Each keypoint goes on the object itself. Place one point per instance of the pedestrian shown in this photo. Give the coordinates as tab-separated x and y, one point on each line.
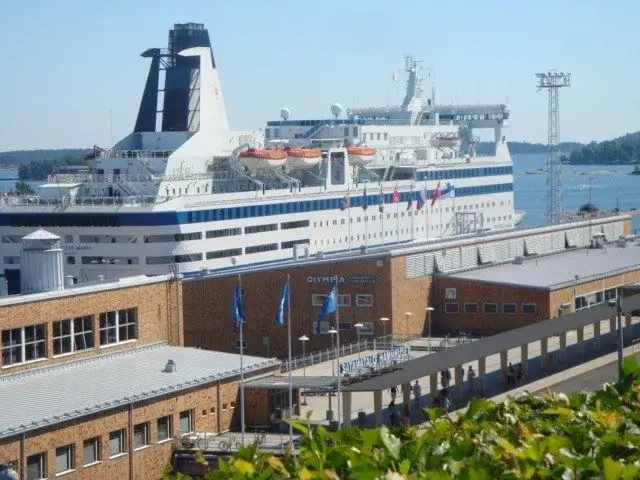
417	393
407	415
520	375
511	376
471	376
391	409
446	404
394	393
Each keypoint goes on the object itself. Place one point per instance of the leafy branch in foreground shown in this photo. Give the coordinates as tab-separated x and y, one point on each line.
527	437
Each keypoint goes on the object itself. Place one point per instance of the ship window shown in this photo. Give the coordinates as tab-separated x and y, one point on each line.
296	224
224	232
261	248
231	252
291	243
261	228
193	257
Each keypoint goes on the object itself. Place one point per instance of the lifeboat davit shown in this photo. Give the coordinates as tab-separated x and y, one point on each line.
263	159
301	158
360	156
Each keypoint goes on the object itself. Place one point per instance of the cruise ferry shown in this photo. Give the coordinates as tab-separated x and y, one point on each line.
185	191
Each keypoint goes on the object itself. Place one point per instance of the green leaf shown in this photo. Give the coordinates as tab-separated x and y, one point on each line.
391	443
405	465
612	470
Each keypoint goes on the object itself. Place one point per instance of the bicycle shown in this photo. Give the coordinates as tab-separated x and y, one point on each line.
260	438
225	445
189	442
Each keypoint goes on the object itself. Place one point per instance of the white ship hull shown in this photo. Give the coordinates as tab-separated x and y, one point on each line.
185	196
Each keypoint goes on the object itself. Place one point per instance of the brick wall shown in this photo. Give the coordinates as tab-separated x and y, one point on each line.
148	462
207	306
159	316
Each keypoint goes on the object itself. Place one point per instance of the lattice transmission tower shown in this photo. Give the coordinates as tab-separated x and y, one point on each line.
553	81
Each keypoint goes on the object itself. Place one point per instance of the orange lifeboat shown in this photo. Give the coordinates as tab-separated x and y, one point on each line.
360	156
263	159
301	158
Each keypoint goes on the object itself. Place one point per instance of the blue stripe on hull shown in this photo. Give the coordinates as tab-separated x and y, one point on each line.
150	219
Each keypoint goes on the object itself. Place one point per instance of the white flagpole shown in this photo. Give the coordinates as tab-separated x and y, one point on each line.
349	215
411	213
290	378
398	216
241	365
339	395
427	207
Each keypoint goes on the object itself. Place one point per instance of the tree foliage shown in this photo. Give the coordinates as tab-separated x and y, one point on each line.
38	170
528	437
516	148
619	151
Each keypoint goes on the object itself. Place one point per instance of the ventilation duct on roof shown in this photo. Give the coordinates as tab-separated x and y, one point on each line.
170	367
519	260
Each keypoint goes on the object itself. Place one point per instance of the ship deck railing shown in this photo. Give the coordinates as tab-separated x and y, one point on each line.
68	178
155	153
34	200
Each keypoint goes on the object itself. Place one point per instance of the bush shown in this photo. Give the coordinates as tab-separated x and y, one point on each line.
527	437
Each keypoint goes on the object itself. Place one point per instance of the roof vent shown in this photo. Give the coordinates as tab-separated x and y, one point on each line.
518	260
170	367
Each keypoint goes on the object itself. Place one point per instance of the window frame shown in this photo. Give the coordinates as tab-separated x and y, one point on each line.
515	308
484	308
113	329
42	465
70	463
466	311
190	416
364	300
121	436
144	429
535	308
77	335
24	347
455	310
96	444
168	419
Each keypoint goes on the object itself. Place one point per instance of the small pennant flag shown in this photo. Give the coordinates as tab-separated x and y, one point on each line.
365	199
437	194
345	202
396	195
381	206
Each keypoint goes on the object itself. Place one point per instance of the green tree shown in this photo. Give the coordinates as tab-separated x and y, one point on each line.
528	437
23	188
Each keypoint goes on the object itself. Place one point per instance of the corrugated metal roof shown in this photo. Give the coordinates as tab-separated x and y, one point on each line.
559	270
58	393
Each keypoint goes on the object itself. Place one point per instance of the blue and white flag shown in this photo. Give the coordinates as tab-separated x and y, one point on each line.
329	305
283	304
449	190
237	308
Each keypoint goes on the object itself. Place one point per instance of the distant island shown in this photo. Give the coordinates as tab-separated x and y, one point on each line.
624	150
37	164
517	148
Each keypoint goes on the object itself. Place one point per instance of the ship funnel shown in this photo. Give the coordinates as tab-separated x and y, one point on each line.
41	267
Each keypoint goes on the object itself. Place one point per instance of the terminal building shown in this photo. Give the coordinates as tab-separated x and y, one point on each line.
95	381
513	279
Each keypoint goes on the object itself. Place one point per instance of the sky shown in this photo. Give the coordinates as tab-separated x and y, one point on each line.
65	65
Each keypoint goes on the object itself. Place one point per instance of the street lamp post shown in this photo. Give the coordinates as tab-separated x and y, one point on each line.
429	310
304	339
620	335
332	332
358	326
384	321
408	316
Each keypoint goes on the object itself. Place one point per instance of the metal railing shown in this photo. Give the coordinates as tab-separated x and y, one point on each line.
380	343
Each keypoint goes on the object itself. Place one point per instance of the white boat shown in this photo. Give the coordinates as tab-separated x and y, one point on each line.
183	191
302	158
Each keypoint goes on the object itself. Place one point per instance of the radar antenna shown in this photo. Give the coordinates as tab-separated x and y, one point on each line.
553	81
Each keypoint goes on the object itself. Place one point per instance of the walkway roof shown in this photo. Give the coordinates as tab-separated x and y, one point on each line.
423	366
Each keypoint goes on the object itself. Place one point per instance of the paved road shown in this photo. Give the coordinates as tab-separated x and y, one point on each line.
589	381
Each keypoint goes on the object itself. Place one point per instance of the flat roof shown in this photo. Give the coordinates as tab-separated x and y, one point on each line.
84	288
559	270
58	393
435	363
